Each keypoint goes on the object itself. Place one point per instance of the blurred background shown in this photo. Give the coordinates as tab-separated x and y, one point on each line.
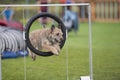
102	10
73	61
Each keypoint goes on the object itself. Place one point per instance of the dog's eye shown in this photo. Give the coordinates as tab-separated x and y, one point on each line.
57	34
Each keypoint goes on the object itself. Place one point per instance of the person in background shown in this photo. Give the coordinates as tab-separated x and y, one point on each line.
69	1
71	17
7	14
43	9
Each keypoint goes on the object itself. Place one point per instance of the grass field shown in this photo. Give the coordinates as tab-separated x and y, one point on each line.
106	57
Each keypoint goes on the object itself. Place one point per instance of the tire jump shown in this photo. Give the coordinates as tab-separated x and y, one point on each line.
27	31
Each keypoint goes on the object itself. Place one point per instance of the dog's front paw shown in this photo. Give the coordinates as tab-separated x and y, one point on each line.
57	48
55	52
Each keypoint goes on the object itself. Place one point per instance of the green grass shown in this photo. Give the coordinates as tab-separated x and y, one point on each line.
106	45
106	57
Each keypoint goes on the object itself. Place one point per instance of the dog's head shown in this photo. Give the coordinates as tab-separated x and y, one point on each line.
56	34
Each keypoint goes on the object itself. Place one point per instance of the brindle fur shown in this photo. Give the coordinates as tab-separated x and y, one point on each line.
46	39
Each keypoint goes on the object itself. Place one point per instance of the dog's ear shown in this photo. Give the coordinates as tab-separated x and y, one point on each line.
52	28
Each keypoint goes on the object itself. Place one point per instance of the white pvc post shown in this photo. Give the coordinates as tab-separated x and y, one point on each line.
90	43
0	68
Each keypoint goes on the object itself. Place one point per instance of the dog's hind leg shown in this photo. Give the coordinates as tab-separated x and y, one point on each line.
32	55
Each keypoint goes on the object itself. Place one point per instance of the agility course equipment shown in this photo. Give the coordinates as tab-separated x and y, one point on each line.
90	27
61	26
11	41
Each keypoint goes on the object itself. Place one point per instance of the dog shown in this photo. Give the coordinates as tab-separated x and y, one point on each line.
46	39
